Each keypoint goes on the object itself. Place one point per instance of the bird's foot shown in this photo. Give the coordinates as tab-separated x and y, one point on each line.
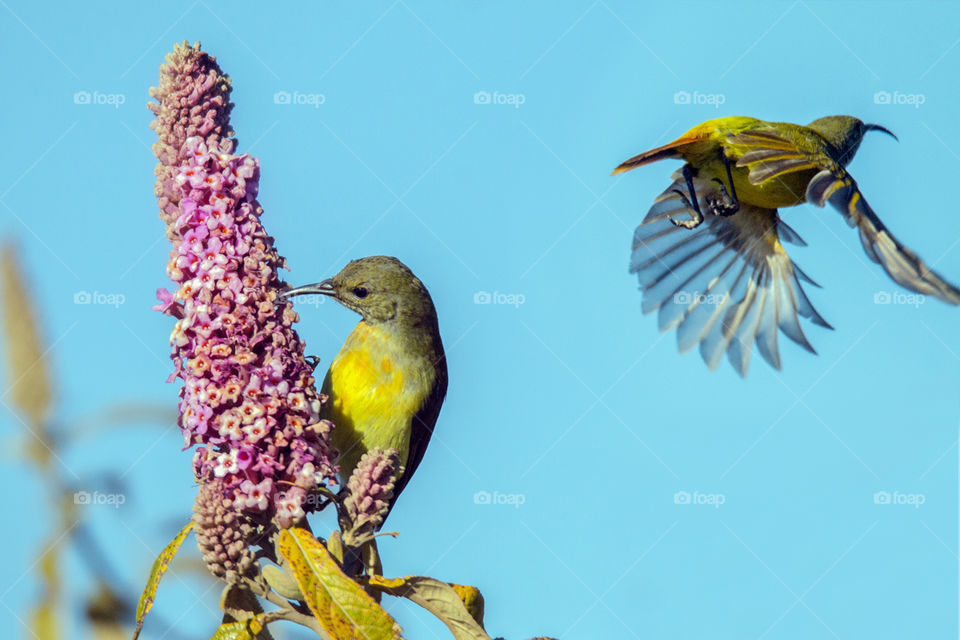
722	204
697	217
313	361
727	203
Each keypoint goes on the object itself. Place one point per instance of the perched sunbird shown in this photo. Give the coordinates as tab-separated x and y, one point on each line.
708	254
388	382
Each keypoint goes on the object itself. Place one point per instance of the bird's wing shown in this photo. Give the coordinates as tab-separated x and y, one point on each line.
421	428
725	284
900	263
769	156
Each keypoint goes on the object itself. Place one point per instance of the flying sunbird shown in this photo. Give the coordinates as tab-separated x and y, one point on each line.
388	382
709	253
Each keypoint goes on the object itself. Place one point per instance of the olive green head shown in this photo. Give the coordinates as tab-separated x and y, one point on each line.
845	133
379	288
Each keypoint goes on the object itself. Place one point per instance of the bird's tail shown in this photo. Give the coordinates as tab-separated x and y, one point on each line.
725	284
902	264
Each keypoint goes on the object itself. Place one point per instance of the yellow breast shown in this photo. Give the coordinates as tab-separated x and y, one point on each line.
374	393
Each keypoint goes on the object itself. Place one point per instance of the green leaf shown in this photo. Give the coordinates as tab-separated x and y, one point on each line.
340	605
250	629
284	584
156	573
442	600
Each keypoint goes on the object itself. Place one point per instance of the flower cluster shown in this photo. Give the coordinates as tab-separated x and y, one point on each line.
248	397
193	99
370	490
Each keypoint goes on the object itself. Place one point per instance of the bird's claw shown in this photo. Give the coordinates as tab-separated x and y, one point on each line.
722	205
313	361
697	217
727	203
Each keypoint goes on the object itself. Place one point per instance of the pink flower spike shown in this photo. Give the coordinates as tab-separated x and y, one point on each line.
249	399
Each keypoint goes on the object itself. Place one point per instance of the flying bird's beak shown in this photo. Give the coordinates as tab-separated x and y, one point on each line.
324	288
877	127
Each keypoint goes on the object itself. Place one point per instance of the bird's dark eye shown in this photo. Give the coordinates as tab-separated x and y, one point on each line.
360	292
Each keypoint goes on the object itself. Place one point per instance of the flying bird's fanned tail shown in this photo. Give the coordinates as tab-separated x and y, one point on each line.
725	285
900	263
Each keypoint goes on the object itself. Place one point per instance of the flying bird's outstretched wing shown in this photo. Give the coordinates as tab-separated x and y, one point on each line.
724	285
900	263
770	156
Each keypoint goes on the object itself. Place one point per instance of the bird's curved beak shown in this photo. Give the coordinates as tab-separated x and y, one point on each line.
324	288
877	127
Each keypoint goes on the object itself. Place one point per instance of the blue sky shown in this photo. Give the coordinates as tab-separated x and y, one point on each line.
566	407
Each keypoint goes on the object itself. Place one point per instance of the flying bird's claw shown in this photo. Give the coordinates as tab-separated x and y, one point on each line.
697	216
313	361
722	205
730	204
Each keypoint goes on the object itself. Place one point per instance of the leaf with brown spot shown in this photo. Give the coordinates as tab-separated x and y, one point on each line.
340	605
156	573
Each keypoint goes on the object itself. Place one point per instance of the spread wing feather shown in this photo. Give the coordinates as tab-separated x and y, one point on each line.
725	285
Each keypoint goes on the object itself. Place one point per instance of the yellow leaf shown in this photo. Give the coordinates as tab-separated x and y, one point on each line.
440	599
29	381
45	624
246	630
385	583
472	599
156	573
340	605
